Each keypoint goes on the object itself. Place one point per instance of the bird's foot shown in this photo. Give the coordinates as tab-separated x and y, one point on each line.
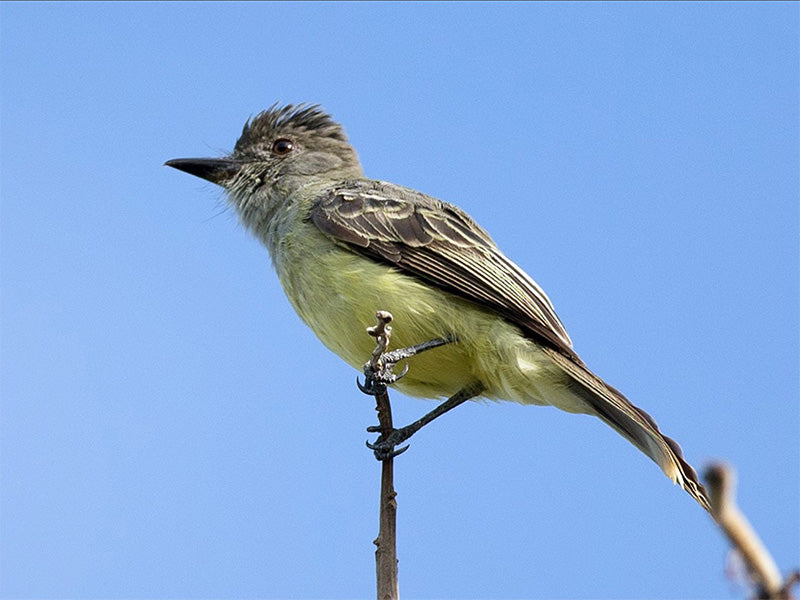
385	447
378	371
377	377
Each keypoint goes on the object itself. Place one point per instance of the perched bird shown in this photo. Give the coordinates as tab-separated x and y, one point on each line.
345	246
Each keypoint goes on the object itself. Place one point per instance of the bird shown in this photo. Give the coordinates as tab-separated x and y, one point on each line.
344	246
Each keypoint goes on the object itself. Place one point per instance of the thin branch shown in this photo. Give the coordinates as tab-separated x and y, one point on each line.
386	542
761	567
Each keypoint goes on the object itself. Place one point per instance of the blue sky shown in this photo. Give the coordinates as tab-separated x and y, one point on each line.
170	429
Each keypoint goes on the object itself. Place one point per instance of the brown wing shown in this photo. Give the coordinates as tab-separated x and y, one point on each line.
441	244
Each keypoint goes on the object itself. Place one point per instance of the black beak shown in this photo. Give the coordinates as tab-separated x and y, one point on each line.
215	170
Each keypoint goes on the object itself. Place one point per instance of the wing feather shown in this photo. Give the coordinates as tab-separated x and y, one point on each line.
439	243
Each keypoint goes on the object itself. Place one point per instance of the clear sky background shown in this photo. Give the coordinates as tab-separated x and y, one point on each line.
170	429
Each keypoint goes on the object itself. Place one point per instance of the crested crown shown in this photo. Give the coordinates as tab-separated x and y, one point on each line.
288	119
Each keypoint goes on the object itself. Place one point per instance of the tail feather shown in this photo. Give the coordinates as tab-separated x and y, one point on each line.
634	424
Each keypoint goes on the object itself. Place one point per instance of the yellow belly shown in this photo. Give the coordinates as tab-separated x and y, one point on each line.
337	292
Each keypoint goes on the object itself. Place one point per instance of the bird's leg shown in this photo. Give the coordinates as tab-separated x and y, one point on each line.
378	375
384	447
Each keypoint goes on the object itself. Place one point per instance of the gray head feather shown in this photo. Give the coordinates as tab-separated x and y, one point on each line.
286	120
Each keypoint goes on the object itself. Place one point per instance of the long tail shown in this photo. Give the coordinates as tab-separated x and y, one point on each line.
634	424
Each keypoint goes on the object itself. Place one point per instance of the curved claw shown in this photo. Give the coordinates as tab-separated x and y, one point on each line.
386	454
396	452
403	373
364	387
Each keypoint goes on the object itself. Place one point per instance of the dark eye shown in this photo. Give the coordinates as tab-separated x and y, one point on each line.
282	146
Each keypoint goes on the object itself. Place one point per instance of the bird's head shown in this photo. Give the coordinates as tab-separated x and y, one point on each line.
282	148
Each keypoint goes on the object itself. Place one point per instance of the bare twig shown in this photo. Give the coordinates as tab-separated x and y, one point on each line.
761	567
386	542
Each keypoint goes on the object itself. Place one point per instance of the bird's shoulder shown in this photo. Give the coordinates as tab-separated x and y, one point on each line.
439	243
363	211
